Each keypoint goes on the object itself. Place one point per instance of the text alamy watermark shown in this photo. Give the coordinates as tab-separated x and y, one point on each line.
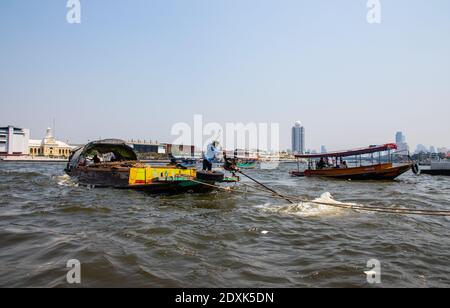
74	12
263	137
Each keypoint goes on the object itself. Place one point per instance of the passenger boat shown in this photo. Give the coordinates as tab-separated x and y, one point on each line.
368	164
112	163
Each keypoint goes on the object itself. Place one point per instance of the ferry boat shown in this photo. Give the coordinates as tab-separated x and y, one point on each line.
112	163
374	166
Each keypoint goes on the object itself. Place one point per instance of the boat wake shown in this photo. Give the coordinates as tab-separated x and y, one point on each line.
307	209
65	180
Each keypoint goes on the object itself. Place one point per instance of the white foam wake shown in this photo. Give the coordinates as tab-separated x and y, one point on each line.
307	209
66	180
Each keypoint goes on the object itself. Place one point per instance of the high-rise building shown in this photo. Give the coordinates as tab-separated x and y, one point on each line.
402	145
298	138
323	149
400	138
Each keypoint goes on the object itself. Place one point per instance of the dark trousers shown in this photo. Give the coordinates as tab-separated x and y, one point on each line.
207	165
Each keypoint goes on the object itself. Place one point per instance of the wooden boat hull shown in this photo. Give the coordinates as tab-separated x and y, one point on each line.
247	166
173	187
101	177
376	172
119	179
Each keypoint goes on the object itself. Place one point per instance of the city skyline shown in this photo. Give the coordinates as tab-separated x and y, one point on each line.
134	70
323	148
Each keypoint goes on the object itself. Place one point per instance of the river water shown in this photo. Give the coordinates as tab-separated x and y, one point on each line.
221	239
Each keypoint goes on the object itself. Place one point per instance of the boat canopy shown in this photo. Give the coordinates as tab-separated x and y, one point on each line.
354	152
121	150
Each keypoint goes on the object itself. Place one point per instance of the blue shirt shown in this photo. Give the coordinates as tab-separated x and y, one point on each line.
211	152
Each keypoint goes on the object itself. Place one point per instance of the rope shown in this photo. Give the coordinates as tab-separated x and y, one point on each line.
269	189
377	209
211	185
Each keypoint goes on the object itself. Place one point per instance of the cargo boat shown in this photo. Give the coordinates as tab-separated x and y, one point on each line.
112	163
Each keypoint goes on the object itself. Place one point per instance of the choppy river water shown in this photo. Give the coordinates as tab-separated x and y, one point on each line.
128	238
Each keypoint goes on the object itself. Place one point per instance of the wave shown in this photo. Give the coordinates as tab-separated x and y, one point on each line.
66	180
27	174
84	209
307	209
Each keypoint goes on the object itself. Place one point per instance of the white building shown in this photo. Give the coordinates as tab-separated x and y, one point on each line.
298	138
49	147
14	141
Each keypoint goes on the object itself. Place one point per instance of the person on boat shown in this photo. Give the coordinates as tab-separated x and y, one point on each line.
96	159
112	158
230	164
211	154
321	164
344	165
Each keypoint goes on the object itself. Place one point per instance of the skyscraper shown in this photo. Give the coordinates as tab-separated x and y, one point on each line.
402	146
400	138
298	138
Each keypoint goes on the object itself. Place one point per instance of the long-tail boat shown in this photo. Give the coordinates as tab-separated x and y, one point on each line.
245	159
247	163
367	164
112	163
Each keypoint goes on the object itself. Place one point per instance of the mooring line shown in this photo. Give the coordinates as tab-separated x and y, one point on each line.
268	188
356	207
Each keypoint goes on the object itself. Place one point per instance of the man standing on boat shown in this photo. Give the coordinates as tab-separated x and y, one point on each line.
210	155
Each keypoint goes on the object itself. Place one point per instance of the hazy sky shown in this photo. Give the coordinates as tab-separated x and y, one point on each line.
133	68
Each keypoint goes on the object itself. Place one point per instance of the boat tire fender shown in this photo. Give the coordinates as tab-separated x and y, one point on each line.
415	169
214	176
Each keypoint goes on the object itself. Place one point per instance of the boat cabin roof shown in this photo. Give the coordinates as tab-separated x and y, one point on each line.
361	151
121	150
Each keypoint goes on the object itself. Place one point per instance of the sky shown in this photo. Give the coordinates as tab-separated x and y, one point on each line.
132	69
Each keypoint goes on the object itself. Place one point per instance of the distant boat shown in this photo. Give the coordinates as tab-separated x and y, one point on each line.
319	166
438	168
247	163
245	159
